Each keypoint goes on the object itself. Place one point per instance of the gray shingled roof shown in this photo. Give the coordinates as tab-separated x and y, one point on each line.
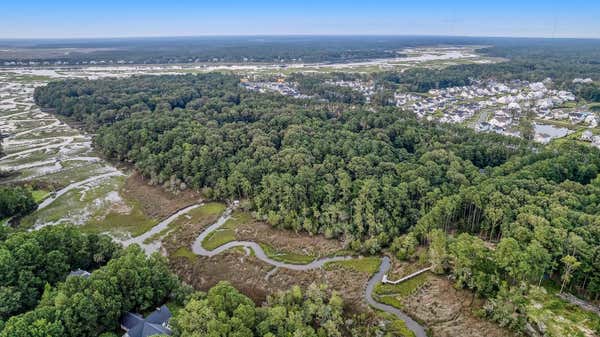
80	273
146	329
130	320
160	315
152	325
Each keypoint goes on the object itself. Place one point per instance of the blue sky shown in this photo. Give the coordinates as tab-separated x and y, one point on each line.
109	18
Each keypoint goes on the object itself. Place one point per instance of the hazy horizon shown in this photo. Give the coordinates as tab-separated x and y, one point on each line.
136	19
149	37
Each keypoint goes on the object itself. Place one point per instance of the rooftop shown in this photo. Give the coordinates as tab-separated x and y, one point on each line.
155	324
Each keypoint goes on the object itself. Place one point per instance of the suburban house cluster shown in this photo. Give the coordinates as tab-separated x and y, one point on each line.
487	106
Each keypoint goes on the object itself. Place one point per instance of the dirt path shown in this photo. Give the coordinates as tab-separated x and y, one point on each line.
258	251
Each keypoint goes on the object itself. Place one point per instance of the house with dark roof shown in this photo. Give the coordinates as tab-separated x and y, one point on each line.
80	273
157	323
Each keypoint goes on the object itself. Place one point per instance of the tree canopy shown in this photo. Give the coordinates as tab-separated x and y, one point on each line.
86	307
31	260
367	174
15	201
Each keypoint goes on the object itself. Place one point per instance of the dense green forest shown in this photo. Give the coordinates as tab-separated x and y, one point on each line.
15	201
349	173
82	307
316	312
361	173
32	260
37	298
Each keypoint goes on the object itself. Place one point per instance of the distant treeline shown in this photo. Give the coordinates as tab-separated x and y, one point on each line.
209	49
286	49
561	60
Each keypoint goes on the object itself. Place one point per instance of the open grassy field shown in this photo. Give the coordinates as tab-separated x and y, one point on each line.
195	216
394	294
559	317
368	265
227	232
397	327
287	257
39	195
185	252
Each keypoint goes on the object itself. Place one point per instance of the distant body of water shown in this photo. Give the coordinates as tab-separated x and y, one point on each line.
546	132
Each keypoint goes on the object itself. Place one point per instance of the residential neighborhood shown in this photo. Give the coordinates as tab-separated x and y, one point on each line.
281	87
503	107
507	108
588	136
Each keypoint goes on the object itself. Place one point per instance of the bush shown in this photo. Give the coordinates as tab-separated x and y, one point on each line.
15	201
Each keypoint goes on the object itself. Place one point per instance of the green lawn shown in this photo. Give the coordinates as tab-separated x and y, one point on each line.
403	289
218	238
368	265
396	326
286	257
211	208
560	317
185	252
39	195
227	232
394	294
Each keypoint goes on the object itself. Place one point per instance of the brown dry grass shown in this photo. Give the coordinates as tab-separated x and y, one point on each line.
249	275
288	241
444	309
403	268
155	201
187	229
448	311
